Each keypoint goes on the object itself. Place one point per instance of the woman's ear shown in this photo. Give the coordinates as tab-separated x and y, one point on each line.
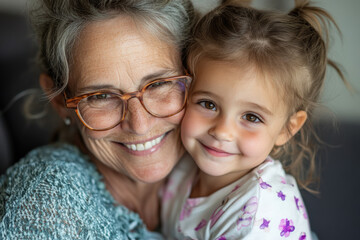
295	123
47	85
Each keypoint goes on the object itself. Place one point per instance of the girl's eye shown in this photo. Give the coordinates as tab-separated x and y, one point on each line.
208	105
252	118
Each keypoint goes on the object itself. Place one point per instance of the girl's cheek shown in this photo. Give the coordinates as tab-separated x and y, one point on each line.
251	143
191	123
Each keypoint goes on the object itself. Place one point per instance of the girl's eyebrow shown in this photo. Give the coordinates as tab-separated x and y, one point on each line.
202	92
261	108
249	104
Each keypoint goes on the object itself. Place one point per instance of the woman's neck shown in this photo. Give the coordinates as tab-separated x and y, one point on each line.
139	197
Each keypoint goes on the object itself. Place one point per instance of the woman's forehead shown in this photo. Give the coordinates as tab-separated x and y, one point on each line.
117	50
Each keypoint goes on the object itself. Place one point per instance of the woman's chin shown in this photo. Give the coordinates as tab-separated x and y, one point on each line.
152	174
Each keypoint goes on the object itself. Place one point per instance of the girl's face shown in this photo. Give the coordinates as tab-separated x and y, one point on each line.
233	119
116	55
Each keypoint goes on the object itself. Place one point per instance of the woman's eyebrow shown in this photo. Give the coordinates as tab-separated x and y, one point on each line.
158	74
163	73
94	88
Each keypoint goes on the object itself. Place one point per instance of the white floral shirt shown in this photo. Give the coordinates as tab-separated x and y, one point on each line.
264	204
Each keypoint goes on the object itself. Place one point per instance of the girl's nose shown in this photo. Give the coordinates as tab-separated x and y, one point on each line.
137	120
222	130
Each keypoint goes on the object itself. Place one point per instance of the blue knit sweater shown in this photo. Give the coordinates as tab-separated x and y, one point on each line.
55	192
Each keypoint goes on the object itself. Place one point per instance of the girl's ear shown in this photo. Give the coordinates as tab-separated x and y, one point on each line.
47	85
296	122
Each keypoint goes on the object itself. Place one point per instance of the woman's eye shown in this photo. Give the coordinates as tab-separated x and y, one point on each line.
252	118
157	84
99	96
208	105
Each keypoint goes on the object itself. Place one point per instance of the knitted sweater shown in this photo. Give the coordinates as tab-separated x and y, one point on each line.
55	192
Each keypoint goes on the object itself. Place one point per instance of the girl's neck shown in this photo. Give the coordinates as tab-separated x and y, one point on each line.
205	185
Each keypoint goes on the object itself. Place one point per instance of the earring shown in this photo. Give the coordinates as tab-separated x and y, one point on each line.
67	121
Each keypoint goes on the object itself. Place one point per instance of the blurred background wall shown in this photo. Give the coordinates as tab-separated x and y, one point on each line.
346	51
338	102
333	214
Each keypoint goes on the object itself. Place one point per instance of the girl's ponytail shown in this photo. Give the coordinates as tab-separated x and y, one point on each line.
236	2
318	21
315	17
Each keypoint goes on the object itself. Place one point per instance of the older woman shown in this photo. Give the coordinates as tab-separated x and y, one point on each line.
112	70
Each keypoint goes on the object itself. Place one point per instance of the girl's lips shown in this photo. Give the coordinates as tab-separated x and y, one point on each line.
216	152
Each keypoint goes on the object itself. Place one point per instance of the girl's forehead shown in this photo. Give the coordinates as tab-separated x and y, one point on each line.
228	80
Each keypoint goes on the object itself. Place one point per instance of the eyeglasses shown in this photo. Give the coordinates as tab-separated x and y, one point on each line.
104	110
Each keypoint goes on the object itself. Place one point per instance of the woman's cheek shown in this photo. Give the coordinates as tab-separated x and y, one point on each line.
176	119
94	135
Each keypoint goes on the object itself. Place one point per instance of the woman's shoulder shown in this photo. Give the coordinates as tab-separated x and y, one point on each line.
57	170
57	158
54	154
56	186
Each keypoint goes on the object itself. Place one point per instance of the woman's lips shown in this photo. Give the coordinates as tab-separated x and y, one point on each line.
216	152
146	147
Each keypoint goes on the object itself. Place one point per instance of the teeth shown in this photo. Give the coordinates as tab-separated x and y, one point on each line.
146	145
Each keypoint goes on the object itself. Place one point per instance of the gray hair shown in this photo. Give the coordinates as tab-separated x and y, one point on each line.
58	23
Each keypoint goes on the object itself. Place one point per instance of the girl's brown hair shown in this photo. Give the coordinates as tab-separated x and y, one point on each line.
290	47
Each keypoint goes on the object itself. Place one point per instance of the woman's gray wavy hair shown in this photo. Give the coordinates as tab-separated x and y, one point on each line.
58	23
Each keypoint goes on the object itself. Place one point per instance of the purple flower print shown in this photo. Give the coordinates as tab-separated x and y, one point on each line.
281	195
187	208
201	224
265	224
235	188
300	207
283	180
297	202
221	238
286	226
264	185
246	213
302	236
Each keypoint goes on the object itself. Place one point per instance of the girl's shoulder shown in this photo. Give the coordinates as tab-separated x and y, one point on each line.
278	206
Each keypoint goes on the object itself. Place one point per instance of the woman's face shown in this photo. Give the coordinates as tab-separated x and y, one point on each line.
116	54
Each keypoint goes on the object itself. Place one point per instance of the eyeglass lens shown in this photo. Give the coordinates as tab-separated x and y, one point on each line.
105	110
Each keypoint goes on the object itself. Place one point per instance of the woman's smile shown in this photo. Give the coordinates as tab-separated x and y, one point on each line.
141	146
145	147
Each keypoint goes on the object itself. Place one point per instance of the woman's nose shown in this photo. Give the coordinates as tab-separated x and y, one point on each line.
222	130
137	120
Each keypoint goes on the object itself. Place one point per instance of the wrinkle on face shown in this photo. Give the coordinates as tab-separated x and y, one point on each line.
129	42
117	54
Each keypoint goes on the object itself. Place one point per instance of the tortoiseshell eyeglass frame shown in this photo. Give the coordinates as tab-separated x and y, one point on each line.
72	103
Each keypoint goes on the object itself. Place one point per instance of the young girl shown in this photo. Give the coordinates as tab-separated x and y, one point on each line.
257	76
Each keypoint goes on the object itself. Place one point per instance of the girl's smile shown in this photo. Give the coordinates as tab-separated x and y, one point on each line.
233	119
216	152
